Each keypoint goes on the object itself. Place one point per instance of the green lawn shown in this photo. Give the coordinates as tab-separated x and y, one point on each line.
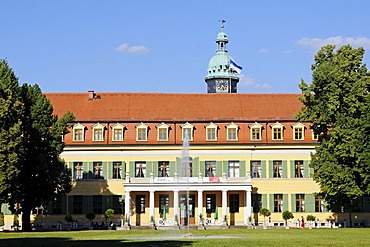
143	238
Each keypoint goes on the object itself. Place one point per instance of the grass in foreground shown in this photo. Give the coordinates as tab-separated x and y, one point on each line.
143	238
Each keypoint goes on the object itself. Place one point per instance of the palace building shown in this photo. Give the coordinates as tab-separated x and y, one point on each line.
170	159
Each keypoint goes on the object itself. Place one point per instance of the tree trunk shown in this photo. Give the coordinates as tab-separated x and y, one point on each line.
26	221
350	218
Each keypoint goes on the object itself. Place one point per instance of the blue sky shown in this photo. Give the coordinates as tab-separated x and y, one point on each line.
165	46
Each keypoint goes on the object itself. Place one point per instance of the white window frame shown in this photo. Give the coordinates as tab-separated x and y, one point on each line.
280	126
229	127
142	126
97	127
209	127
186	126
314	137
297	126
81	127
117	126
162	126
255	126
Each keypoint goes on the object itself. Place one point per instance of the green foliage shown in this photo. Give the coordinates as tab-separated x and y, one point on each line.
31	171
264	212
337	103
287	215
68	218
311	217
90	216
2	222
109	214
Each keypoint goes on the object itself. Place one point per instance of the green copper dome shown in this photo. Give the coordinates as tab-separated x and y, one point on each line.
219	64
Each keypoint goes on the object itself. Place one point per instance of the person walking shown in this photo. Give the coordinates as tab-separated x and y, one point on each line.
302	223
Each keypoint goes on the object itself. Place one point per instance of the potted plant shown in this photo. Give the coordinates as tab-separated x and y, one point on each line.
287	215
109	214
310	218
265	213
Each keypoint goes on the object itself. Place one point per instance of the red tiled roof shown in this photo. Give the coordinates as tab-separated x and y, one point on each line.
175	107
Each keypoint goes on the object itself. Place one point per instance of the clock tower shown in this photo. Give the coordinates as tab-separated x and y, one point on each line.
221	77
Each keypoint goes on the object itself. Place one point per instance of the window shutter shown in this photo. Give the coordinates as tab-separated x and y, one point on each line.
306	169
264	200
196	168
292	169
293	203
219	168
242	168
105	169
85	170
150	168
285	201
178	166
285	169
310	203
172	168
132	169
270	169
202	168
263	169
123	175
225	166
109	168
271	202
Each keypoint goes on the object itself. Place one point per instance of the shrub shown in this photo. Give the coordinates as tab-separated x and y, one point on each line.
287	215
311	217
265	212
109	214
68	218
90	216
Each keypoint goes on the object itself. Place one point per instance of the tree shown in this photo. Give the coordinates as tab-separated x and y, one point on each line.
90	216
39	175
337	104
287	215
265	213
109	214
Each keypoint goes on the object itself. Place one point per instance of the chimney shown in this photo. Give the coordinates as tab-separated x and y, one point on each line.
91	94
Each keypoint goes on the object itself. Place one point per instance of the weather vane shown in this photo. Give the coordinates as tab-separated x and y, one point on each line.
222	23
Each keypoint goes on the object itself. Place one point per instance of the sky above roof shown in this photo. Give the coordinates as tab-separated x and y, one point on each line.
165	46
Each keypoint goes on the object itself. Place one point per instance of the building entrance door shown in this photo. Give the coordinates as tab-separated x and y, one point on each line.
187	210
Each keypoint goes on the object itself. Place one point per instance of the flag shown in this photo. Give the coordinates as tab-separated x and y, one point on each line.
164	212
235	67
216	213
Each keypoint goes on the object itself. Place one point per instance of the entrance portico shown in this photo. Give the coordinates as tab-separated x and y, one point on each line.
169	197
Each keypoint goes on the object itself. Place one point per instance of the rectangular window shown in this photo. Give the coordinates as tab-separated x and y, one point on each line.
98	134
300	203
210	169
315	137
77	204
256	168
117	135
98	204
162	134
277	134
211	134
57	206
77	170
78	135
98	170
298	169
234	203
319	204
117	204
140	204
277	168
234	169
117	170
186	132
256	134
164	204
231	134
298	133
278	203
140	169
210	203
141	134
163	169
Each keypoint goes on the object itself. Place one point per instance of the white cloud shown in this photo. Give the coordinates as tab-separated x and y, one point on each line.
264	50
245	81
132	49
317	43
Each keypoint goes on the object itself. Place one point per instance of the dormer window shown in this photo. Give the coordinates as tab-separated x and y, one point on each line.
98	132
78	133
117	131
256	131
162	130
211	132
187	130
315	137
141	132
277	131
298	131
232	132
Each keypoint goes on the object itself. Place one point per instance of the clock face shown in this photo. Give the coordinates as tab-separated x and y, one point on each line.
222	86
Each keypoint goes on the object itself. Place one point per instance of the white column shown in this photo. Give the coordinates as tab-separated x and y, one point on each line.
200	202
248	204
128	207
151	204
224	203
176	203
